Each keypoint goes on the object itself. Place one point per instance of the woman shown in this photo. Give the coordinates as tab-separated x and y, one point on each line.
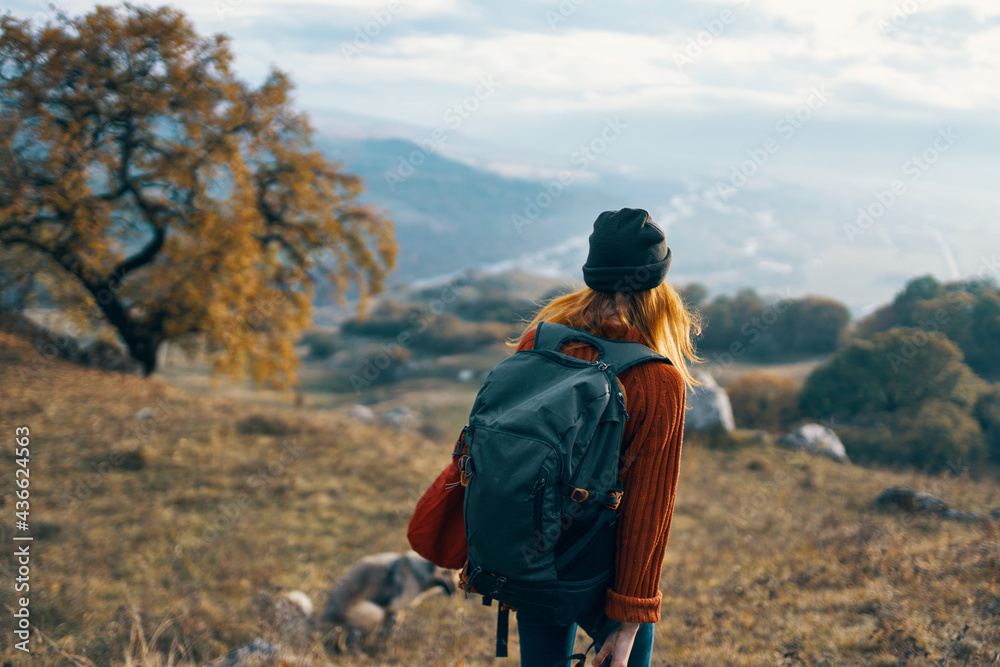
626	298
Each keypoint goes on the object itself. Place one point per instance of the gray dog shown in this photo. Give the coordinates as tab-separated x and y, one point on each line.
375	589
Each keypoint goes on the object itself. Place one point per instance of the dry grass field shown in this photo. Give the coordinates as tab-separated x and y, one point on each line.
159	513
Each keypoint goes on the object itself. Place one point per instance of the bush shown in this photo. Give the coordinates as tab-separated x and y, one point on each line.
814	325
322	345
442	333
388	320
938	435
382	365
694	294
896	369
968	312
747	324
904	397
493	305
987	412
764	401
871	441
449	334
264	425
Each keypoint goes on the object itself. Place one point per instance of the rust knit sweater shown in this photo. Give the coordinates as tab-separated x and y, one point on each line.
655	395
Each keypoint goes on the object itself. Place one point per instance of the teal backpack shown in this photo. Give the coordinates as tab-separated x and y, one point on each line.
541	475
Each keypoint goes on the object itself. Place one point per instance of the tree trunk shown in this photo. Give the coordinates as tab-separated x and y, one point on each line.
143	339
143	349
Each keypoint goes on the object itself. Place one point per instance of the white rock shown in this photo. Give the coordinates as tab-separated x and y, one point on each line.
302	601
401	419
362	413
817	439
466	374
710	406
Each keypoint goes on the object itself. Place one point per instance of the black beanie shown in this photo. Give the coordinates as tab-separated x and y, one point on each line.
628	252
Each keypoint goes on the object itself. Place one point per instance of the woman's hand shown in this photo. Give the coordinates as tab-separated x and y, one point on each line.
618	644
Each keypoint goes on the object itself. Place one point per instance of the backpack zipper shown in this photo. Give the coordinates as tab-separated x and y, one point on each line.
538	495
621	401
613	378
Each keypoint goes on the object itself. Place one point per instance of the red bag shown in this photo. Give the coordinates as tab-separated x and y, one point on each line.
437	527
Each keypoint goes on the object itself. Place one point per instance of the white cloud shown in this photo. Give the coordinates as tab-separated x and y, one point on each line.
765	57
603	70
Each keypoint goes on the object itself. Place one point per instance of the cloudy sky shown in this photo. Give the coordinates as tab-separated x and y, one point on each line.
839	99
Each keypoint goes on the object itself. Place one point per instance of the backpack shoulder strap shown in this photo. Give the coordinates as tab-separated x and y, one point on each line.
624	354
551	336
619	354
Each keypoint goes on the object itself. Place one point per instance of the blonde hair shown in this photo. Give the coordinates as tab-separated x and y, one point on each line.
664	321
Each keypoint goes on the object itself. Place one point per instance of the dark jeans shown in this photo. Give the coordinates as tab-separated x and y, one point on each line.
547	645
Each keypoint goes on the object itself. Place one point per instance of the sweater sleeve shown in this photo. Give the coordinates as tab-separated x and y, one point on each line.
652	446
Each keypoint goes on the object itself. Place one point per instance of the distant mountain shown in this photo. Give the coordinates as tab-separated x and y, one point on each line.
775	236
450	216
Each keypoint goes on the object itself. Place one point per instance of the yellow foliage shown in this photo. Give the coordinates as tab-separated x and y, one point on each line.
174	201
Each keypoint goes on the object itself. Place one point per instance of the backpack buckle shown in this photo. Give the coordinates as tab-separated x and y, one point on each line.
617	496
583	495
465	467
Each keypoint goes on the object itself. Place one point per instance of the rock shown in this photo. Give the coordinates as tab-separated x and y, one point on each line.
466	375
288	615
995	514
710	406
817	439
962	516
401	419
145	413
257	652
362	413
302	602
912	500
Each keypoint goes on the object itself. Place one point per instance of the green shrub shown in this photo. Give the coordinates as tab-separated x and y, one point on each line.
381	365
904	397
968	312
265	425
493	305
938	435
388	320
322	345
987	412
748	324
896	369
449	334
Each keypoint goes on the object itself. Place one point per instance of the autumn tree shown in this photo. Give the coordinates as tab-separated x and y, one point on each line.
167	197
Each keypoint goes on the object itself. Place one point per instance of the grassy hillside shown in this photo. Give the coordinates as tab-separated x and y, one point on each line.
167	511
